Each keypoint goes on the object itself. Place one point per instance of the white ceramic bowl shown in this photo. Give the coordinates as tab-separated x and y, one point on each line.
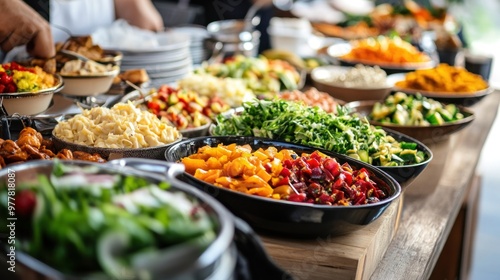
88	85
320	75
30	103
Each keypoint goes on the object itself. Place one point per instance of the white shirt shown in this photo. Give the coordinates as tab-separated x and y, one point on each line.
80	17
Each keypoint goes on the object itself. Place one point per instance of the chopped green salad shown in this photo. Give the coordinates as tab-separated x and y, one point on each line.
311	126
81	221
418	110
260	74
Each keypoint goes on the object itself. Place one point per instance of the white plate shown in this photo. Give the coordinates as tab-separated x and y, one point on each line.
161	67
168	41
169	74
164	81
156	61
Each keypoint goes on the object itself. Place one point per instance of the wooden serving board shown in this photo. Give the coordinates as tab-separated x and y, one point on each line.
351	256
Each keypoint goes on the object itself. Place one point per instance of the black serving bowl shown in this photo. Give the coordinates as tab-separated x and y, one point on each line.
407	173
286	217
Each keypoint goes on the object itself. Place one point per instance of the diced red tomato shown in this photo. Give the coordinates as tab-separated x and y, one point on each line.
25	203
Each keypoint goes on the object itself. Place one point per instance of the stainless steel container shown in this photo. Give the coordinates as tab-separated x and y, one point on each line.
229	38
236	250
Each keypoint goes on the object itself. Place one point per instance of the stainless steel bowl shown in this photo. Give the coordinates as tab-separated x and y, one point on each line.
235	240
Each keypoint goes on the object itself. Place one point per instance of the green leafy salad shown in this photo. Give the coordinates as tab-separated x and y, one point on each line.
301	124
81	221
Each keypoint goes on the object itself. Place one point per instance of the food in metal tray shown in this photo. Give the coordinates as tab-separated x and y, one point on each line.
122	126
16	78
83	221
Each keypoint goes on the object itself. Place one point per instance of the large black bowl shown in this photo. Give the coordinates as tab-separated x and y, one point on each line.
286	217
407	173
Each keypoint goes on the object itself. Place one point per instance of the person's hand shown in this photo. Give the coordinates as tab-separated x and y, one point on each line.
140	13
20	25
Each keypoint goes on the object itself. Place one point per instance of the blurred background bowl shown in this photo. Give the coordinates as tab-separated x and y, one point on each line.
432	133
31	103
286	217
111	57
459	98
193	132
320	77
336	52
88	85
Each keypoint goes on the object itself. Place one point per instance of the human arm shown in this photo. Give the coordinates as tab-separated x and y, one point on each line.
140	13
20	24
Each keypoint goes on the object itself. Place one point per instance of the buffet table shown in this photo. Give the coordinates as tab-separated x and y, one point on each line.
405	246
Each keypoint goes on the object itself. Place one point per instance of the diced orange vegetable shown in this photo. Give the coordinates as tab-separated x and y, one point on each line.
201	174
191	164
263	191
283	190
255	181
218	151
271	152
262	173
224	181
260	155
213	163
212	175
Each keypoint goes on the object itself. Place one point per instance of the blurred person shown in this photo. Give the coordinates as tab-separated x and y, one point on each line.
29	22
231	9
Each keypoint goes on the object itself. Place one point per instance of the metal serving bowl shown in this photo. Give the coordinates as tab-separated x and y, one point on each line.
217	259
113	153
30	103
286	217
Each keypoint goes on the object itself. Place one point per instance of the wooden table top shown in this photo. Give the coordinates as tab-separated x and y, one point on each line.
429	213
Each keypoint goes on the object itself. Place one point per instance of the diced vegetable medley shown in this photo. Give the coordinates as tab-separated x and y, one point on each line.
285	175
260	74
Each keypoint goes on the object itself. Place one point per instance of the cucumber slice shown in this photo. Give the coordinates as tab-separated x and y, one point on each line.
452	109
435	119
363	155
447	116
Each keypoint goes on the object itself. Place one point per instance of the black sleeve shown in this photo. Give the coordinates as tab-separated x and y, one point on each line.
41	6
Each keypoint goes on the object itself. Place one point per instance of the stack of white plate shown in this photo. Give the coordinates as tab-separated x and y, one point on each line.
166	56
197	35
